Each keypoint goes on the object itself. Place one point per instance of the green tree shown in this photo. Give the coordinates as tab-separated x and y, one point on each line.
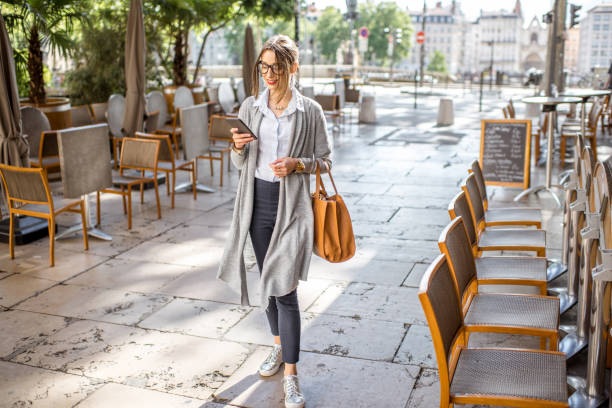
332	29
42	22
384	19
438	63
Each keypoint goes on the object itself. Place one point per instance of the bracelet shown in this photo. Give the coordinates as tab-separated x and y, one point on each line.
238	151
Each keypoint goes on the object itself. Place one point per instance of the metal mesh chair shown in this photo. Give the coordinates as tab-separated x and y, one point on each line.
156	101
513	314
137	154
219	131
183	98
489	376
151	123
98	111
28	188
500	239
590	131
80	116
44	152
169	165
506	215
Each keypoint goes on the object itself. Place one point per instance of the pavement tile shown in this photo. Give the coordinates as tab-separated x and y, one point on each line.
417	216
173	363
24	386
422	193
361	213
67	264
95	303
364	188
195	317
363	300
123	396
219	217
186	254
133	276
21	330
142	228
18	287
360	269
417	348
426	392
415	275
326	381
200	235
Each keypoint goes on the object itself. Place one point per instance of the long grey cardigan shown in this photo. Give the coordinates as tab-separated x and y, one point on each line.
288	256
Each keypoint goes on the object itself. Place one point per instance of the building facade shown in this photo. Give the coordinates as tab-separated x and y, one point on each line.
595	50
571	52
533	49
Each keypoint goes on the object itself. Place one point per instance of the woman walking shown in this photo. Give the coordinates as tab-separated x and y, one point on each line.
273	203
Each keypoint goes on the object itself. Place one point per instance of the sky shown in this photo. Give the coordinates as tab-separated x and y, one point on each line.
471	8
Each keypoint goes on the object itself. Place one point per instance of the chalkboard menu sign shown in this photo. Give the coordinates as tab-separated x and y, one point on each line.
505	149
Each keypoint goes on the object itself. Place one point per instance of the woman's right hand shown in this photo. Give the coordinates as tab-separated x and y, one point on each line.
240	139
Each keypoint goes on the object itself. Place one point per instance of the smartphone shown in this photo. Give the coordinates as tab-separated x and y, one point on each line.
240	125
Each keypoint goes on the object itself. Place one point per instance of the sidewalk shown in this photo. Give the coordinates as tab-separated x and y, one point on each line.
142	322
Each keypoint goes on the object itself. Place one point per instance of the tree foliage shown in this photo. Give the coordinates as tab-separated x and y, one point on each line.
437	63
381	16
332	30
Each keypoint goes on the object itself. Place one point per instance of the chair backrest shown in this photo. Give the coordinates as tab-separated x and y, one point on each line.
156	101
587	165
194	126
442	308
114	114
327	102
227	99
351	95
33	123
98	111
137	153
219	128
505	112
80	116
602	190
596	114
459	207
166	153
151	123
240	91
26	185
482	186
454	243
470	187
511	110
183	97
213	93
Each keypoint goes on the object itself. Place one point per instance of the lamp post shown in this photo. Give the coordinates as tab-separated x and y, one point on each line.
351	7
491	43
422	56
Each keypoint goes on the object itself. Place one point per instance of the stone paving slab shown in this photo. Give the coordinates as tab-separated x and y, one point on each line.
172	363
195	317
197	235
123	396
362	300
416	273
21	330
360	269
326	381
188	254
105	305
19	287
35	263
417	348
24	386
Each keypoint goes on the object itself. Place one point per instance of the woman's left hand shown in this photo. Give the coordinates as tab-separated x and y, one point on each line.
284	166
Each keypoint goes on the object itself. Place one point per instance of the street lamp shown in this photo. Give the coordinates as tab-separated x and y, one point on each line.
351	7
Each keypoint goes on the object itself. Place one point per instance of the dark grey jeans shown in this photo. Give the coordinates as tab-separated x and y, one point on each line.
283	311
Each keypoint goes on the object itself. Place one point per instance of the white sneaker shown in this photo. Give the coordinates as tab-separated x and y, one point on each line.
272	363
293	397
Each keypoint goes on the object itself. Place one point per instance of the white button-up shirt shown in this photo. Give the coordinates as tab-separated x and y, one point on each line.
274	134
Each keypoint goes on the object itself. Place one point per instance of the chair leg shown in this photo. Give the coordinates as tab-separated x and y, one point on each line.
84	221
12	234
97	208
142	190
594	146
563	146
541	252
173	185
129	209
221	171
537	146
168	184
212	172
176	146
157	197
123	199
194	179
115	155
51	223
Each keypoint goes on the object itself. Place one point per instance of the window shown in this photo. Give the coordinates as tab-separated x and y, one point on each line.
597	17
596	27
605	27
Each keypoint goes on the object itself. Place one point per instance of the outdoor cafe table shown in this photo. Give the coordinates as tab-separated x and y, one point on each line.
549	106
585	94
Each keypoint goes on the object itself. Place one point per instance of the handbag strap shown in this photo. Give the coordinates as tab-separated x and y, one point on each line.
320	186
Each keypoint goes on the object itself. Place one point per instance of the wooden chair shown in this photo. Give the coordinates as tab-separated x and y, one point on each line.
494	270
219	131
114	118
498	313
590	132
182	98
330	105
151	122
483	239
28	188
490	376
98	111
137	154
44	152
606	112
506	215
80	116
505	112
169	165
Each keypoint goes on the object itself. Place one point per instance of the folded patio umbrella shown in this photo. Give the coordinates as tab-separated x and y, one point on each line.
14	149
135	50
248	60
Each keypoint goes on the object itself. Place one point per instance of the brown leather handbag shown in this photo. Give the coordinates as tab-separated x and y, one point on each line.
333	231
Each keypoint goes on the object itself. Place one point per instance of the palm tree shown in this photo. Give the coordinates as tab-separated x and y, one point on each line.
44	23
